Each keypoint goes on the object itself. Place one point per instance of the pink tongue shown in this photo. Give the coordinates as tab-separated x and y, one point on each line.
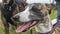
23	27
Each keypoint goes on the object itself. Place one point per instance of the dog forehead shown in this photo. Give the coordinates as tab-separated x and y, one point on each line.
35	6
32	7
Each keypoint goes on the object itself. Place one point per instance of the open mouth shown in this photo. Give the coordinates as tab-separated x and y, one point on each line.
26	26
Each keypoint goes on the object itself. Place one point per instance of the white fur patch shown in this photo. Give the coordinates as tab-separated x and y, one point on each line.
24	16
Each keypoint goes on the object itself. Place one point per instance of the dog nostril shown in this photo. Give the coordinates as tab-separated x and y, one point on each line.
16	18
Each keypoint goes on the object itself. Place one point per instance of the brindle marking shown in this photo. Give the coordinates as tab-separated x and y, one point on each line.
10	8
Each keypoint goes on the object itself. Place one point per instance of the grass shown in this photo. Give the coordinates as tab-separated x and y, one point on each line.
53	15
1	26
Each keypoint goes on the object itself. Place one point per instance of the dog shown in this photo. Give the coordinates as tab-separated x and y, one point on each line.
35	15
9	9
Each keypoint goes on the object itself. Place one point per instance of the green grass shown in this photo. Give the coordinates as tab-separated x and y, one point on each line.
53	15
1	26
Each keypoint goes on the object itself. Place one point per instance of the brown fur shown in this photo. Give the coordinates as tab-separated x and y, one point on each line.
14	10
44	8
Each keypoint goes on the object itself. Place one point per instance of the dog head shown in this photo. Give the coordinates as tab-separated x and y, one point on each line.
31	16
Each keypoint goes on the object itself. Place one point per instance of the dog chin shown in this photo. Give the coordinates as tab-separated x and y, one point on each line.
26	26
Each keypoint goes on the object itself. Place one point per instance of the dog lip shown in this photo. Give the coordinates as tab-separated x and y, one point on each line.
26	26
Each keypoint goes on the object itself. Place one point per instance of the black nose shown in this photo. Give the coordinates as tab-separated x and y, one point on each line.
16	18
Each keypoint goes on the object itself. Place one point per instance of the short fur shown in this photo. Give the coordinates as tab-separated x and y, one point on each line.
8	9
